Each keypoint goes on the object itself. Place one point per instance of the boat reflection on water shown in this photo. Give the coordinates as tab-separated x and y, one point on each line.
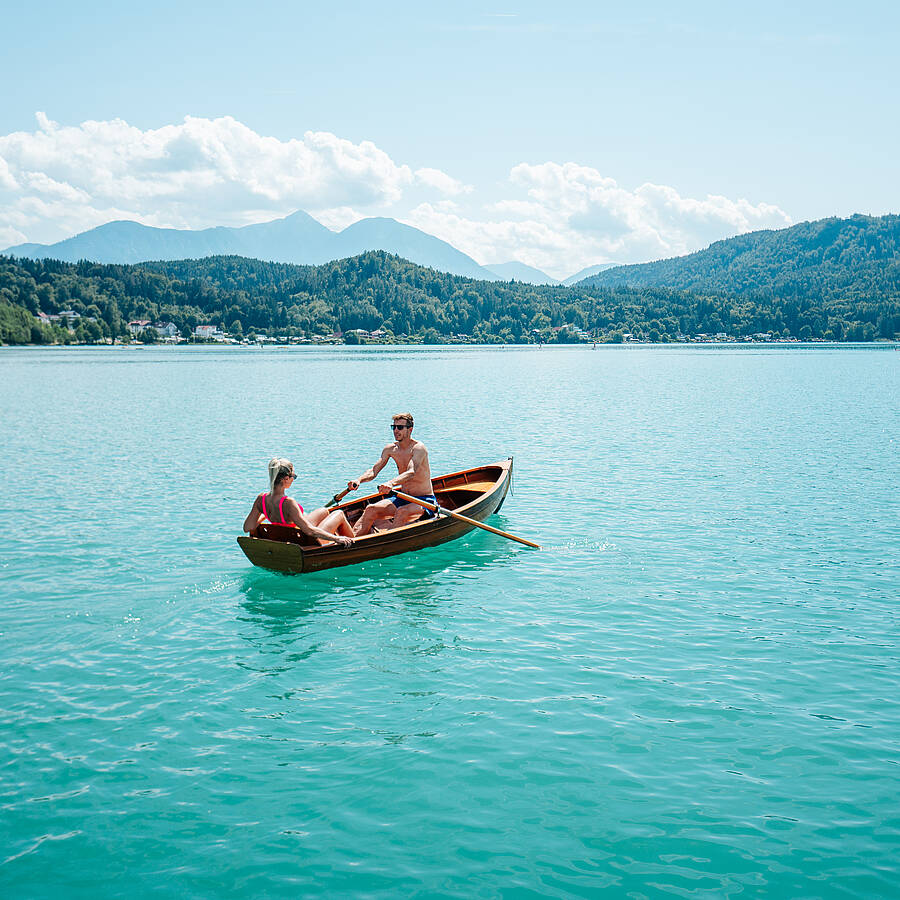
346	660
411	577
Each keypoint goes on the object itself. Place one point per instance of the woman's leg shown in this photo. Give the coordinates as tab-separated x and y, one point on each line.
317	516
336	522
333	521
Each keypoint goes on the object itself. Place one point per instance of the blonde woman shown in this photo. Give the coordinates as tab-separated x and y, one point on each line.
275	506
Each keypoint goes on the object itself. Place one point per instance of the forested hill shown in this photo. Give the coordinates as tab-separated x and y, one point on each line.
377	291
828	259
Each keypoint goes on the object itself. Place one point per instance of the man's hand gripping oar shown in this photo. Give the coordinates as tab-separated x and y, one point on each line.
351	486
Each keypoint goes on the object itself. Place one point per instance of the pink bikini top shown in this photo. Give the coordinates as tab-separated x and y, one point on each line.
262	500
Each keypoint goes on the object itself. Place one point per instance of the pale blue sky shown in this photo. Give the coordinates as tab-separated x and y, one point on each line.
794	105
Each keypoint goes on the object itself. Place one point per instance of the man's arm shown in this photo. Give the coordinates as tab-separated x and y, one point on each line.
369	474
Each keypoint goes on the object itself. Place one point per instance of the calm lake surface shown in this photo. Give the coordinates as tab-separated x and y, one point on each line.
693	690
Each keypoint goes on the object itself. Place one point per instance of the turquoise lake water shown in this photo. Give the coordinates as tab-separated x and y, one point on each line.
692	690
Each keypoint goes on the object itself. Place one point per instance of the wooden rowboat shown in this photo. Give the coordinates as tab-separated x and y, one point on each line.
477	493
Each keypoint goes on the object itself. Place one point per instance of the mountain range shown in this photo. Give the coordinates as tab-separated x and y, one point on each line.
850	257
857	257
298	239
835	279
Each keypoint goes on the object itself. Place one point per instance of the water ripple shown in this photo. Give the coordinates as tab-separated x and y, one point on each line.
691	690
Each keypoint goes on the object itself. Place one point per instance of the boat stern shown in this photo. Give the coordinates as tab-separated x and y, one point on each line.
279	556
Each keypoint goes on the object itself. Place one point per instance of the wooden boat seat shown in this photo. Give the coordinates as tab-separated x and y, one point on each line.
272	531
455	497
481	486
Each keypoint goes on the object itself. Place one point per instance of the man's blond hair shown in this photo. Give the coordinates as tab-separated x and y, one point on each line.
407	416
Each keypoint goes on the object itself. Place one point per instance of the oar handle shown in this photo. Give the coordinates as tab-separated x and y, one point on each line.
338	497
449	512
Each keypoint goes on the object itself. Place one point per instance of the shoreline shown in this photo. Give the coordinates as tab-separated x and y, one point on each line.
377	347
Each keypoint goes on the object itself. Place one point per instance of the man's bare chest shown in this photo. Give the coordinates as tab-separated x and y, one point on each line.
402	458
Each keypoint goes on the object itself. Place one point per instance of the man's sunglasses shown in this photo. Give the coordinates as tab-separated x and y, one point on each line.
398	427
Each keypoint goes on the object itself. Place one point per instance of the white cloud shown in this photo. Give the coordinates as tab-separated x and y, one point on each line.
543	244
441	181
338	217
7	182
10	236
197	173
59	180
573	216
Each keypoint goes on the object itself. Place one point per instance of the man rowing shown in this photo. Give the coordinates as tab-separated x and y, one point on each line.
413	477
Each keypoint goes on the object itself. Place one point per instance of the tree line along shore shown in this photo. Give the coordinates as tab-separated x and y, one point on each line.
378	296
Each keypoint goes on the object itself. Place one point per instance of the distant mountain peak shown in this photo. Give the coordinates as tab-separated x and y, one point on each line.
296	238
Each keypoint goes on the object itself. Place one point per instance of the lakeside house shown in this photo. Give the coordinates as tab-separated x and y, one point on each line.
138	326
67	317
209	332
376	335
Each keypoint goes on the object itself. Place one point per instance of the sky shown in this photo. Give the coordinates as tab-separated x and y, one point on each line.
561	135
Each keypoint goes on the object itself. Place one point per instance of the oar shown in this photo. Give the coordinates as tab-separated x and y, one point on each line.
337	498
449	512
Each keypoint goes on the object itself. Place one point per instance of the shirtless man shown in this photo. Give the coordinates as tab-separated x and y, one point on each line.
413	477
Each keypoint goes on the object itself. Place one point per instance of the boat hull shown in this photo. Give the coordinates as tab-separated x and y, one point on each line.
476	493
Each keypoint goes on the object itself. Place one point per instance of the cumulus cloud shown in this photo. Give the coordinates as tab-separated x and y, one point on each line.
573	216
441	181
337	218
560	217
537	240
196	173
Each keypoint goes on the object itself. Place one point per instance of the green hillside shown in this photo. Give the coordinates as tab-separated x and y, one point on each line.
377	291
830	259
